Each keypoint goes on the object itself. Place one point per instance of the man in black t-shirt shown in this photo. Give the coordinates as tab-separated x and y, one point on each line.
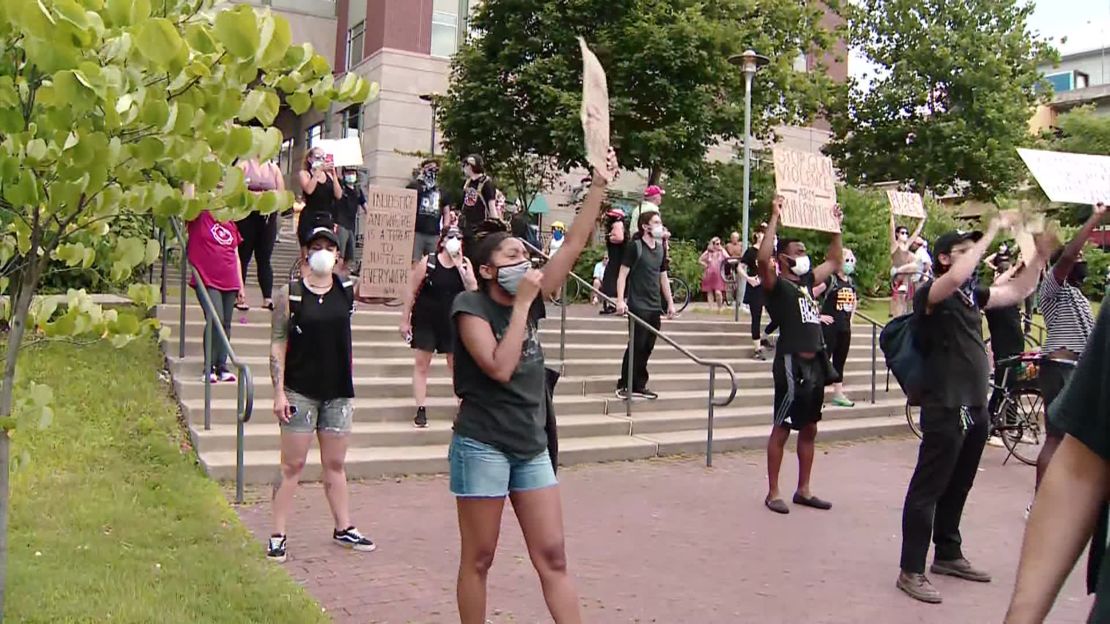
954	421
346	215
429	210
479	197
801	368
1071	505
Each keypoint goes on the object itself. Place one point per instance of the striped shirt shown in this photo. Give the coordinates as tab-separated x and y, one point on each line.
1067	316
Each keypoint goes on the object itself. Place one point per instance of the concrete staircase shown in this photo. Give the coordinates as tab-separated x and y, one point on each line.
593	425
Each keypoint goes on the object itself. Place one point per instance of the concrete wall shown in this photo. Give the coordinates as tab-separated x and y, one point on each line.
1094	63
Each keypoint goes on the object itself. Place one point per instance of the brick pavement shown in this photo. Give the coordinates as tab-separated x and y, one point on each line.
668	541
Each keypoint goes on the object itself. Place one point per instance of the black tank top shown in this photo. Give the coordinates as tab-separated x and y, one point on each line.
322	198
441	285
318	357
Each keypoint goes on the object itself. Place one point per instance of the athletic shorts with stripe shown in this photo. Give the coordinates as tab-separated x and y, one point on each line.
799	390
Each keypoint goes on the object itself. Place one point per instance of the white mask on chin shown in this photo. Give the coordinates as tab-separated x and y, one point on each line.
322	261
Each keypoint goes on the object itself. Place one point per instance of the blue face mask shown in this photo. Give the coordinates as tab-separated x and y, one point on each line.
509	276
849	268
557	235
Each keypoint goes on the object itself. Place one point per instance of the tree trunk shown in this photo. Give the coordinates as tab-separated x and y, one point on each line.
26	292
655	174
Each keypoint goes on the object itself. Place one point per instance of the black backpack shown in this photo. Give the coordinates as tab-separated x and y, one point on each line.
296	293
904	357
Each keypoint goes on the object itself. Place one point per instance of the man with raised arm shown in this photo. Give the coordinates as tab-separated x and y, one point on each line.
801	369
954	418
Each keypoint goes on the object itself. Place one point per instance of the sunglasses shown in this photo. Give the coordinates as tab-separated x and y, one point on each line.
453	236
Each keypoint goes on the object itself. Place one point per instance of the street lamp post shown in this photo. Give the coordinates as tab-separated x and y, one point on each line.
749	63
432	98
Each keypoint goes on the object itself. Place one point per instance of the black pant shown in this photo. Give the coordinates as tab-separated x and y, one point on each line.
224	302
837	343
259	235
1052	378
642	344
755	307
946	465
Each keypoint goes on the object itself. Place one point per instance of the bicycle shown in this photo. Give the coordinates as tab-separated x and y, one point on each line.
1018	413
730	271
680	294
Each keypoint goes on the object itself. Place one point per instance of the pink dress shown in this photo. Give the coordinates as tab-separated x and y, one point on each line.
712	281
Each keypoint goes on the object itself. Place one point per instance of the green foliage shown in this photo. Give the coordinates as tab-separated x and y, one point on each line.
708	200
957	83
1098	262
515	93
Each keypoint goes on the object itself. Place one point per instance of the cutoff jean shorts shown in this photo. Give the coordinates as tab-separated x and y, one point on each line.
312	415
479	470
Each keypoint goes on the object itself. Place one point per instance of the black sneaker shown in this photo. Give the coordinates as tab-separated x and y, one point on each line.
351	538
645	394
276	549
421	420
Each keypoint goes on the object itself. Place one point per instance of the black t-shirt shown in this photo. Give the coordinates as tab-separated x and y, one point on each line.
478	195
1082	410
1007	339
840	302
951	337
642	287
429	211
508	416
318	357
793	307
749	261
346	209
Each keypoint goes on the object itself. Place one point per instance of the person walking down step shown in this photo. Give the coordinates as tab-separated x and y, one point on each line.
948	332
643	279
426	318
212	251
347	210
259	233
431	215
310	367
801	368
500	445
838	306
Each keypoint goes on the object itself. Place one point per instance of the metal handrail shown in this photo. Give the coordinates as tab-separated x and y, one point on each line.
634	320
876	328
244	402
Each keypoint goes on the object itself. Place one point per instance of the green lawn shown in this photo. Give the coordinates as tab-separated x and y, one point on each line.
113	521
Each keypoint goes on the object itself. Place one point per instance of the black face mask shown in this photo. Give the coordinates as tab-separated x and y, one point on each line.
1078	274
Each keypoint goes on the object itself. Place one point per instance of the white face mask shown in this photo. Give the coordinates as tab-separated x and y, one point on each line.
657	231
452	246
322	262
801	266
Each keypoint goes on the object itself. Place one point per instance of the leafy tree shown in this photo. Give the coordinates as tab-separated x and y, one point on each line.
110	108
708	200
956	85
515	92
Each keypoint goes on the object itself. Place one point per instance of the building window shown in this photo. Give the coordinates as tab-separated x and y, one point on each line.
315	133
356	44
447	25
352	121
285	157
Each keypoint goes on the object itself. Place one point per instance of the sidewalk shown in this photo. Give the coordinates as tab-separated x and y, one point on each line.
669	541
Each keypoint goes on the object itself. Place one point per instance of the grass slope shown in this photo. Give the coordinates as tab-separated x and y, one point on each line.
113	521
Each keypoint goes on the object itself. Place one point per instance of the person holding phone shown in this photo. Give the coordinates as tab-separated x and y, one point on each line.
310	366
321	189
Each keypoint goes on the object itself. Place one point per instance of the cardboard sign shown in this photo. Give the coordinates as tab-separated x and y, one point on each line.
595	109
906	204
387	251
345	152
1071	178
807	183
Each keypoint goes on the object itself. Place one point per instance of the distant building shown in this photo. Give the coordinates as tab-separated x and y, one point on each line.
1080	78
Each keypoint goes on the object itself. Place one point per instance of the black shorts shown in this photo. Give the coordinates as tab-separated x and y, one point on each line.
799	390
1052	378
432	337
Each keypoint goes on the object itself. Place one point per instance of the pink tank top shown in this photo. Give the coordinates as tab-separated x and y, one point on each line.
260	178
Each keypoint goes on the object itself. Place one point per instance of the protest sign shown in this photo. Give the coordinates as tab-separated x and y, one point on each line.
808	186
906	204
387	249
1071	178
346	152
595	109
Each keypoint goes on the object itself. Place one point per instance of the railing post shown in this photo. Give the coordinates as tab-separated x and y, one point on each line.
181	317
563	330
709	427
631	366
239	415
874	355
207	373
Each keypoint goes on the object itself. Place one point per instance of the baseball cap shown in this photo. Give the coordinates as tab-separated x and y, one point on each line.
947	241
322	232
652	191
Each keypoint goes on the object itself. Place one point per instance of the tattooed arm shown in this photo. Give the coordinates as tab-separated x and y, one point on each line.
279	336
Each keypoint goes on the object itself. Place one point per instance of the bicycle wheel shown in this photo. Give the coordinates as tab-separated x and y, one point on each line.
680	294
1022	415
913	417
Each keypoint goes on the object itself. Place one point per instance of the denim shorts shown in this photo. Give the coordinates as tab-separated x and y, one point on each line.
480	471
312	415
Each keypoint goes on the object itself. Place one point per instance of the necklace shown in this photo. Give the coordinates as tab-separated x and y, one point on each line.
319	296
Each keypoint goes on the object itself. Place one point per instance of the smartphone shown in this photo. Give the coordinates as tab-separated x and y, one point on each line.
329	159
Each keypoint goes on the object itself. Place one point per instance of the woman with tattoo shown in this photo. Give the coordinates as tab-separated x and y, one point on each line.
310	365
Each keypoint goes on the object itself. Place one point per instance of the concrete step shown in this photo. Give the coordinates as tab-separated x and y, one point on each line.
693	442
649	423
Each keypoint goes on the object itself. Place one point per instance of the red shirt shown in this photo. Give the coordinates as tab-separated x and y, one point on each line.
213	249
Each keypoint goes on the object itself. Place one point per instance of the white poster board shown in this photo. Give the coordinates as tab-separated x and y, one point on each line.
1071	178
906	204
808	185
347	152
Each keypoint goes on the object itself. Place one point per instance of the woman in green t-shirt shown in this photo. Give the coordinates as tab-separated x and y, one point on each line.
499	448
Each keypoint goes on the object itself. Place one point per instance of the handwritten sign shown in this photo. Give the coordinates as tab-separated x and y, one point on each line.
807	183
1072	178
387	253
595	109
906	204
346	152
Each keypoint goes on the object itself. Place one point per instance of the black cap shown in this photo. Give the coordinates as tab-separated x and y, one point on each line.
947	241
322	232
